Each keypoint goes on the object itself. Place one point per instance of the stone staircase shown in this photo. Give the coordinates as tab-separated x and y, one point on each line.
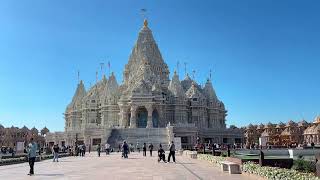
140	135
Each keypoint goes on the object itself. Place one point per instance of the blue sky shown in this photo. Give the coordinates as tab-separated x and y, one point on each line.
265	55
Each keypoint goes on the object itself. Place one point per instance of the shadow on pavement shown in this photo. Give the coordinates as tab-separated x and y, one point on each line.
48	174
185	163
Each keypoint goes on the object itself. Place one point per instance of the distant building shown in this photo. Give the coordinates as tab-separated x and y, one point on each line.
281	134
146	107
10	136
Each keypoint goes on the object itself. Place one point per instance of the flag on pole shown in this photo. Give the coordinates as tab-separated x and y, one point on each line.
96	76
78	76
178	64
109	68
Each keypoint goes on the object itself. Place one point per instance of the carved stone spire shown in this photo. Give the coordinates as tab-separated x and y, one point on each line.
77	98
175	86
146	52
111	91
209	91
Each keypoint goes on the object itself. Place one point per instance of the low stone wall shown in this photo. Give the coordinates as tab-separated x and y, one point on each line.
291	153
17	160
303	152
267	152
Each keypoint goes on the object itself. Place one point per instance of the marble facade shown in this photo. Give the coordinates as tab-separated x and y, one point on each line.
147	99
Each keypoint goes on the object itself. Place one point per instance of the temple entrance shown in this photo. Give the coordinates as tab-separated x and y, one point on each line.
155	118
142	117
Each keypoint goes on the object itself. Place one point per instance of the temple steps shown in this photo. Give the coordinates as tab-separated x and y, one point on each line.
139	135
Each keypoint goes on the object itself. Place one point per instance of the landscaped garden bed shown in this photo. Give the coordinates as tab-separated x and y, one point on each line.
275	173
301	170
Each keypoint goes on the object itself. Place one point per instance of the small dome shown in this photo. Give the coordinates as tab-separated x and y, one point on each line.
269	125
290	123
260	126
302	123
317	119
280	125
250	126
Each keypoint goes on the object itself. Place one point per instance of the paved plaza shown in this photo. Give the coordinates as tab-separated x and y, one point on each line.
113	166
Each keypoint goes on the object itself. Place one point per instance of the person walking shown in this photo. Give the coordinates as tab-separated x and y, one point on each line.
172	151
144	149
80	147
32	153
125	149
138	147
107	148
99	149
119	147
76	150
151	148
84	149
55	150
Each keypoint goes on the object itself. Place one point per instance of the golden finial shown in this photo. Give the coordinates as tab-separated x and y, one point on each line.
145	23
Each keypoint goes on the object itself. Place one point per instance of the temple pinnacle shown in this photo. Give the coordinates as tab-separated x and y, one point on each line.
145	23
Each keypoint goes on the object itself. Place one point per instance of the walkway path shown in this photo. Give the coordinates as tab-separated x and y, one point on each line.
113	166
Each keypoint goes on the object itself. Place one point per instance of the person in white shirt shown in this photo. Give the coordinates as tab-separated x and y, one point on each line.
107	148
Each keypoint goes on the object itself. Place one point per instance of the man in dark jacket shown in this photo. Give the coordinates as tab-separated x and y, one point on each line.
151	148
172	152
144	149
99	149
125	149
56	153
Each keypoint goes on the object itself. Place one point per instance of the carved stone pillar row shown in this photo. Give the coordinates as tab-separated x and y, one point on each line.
149	121
133	119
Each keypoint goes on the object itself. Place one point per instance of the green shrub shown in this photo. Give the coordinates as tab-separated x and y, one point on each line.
304	166
215	160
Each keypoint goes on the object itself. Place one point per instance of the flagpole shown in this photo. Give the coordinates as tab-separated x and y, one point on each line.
109	68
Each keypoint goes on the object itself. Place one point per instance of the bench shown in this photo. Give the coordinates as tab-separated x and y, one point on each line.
231	167
193	155
190	154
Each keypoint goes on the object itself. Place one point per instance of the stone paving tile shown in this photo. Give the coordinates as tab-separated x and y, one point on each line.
113	166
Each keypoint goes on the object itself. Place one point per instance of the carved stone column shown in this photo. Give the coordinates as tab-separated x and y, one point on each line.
133	119
149	122
122	117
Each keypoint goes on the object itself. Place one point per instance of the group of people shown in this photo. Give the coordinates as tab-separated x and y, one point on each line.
80	150
125	149
172	153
